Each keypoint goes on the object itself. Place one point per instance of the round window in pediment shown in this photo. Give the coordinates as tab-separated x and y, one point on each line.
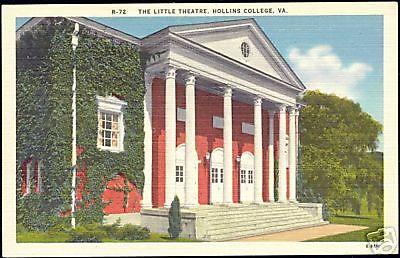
245	49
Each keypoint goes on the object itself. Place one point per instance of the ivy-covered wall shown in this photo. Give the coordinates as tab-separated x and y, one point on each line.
44	122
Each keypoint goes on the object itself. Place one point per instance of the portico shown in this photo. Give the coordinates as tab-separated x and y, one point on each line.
221	132
260	131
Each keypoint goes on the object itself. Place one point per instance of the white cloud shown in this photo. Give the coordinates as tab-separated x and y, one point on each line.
320	68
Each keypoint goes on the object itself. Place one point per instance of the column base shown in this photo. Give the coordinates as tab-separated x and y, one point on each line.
258	202
146	206
189	206
293	201
283	201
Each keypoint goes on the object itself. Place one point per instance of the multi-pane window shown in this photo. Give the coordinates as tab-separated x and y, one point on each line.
179	174
110	123
214	175
243	176
109	130
250	176
221	175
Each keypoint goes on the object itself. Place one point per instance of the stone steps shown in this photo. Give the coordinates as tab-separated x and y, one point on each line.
263	231
245	220
232	222
226	214
254	223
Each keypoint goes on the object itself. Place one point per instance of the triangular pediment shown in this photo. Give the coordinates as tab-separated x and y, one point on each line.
242	41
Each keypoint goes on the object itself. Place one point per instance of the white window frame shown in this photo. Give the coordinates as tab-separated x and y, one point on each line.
39	176
115	106
30	173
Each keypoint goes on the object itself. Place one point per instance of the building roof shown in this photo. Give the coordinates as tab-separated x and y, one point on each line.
183	31
86	22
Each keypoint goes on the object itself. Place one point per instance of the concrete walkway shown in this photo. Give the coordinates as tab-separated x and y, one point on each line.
303	234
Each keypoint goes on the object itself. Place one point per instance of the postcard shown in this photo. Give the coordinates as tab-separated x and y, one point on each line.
211	129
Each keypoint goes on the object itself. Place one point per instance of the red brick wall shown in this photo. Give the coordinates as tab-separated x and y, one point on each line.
207	138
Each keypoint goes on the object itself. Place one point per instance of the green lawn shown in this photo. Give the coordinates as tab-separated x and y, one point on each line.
60	237
372	222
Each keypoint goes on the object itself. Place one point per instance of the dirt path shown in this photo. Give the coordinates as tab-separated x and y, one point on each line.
304	233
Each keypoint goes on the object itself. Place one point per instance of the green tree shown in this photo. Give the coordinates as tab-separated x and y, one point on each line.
174	218
337	139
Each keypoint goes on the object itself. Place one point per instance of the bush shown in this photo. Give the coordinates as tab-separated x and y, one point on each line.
20	228
174	218
111	230
32	213
132	232
92	233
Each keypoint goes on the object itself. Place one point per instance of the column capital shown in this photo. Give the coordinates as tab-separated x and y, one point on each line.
271	111
257	101
190	77
148	77
281	108
292	110
170	71
228	91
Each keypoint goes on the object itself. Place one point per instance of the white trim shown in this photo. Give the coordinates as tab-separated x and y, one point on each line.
148	142
39	176
29	173
112	105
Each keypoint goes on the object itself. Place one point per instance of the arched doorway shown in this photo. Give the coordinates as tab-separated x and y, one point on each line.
247	177
216	175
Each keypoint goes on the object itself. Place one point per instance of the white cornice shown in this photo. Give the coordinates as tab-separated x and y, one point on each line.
266	44
224	59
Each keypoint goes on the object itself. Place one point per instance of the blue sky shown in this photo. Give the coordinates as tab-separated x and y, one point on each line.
336	54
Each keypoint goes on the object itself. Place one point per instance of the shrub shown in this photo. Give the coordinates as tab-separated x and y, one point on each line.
111	230
32	213
132	232
91	233
174	218
20	228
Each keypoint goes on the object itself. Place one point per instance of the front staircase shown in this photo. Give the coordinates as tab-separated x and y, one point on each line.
221	223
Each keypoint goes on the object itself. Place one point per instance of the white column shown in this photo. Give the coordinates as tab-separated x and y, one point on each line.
292	154
282	156
170	135
191	186
297	136
258	168
148	142
271	194
227	183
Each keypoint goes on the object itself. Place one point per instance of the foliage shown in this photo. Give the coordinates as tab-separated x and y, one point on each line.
60	236
132	232
337	165
111	230
37	219
90	233
44	77
174	218
276	180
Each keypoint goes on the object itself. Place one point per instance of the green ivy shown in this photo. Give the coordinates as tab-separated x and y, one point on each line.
44	121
